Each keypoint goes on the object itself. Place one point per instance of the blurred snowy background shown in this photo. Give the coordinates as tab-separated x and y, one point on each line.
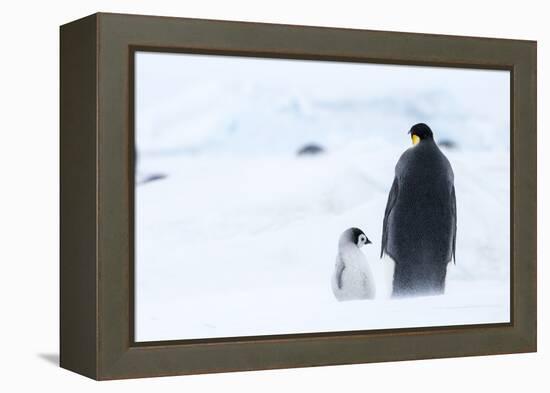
239	236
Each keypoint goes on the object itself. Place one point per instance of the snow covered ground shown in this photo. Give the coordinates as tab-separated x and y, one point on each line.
240	237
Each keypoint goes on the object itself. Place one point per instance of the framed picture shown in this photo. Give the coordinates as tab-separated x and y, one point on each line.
242	196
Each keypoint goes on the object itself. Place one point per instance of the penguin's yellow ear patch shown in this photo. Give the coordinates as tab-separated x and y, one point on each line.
415	139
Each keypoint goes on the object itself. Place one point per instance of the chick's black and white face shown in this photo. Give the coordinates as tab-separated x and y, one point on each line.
354	236
362	240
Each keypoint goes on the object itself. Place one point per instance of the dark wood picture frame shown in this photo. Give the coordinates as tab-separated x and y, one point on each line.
97	185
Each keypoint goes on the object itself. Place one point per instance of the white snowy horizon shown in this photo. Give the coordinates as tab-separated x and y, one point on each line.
272	106
240	237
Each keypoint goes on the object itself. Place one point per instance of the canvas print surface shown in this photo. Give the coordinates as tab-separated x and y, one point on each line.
278	196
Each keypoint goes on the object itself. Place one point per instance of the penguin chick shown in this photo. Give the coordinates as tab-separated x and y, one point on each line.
352	278
419	229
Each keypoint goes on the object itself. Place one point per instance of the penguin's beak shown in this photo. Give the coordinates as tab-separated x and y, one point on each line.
368	242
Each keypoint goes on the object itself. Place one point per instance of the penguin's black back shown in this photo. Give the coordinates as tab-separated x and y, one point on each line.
420	221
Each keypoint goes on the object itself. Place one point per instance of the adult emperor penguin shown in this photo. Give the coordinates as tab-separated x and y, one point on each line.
419	229
352	277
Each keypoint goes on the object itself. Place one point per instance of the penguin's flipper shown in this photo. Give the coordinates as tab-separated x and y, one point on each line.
453	212
339	270
392	198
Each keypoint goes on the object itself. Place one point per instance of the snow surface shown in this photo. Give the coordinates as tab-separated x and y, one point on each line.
240	237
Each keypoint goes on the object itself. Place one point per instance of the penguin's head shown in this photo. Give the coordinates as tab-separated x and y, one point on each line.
420	132
355	236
